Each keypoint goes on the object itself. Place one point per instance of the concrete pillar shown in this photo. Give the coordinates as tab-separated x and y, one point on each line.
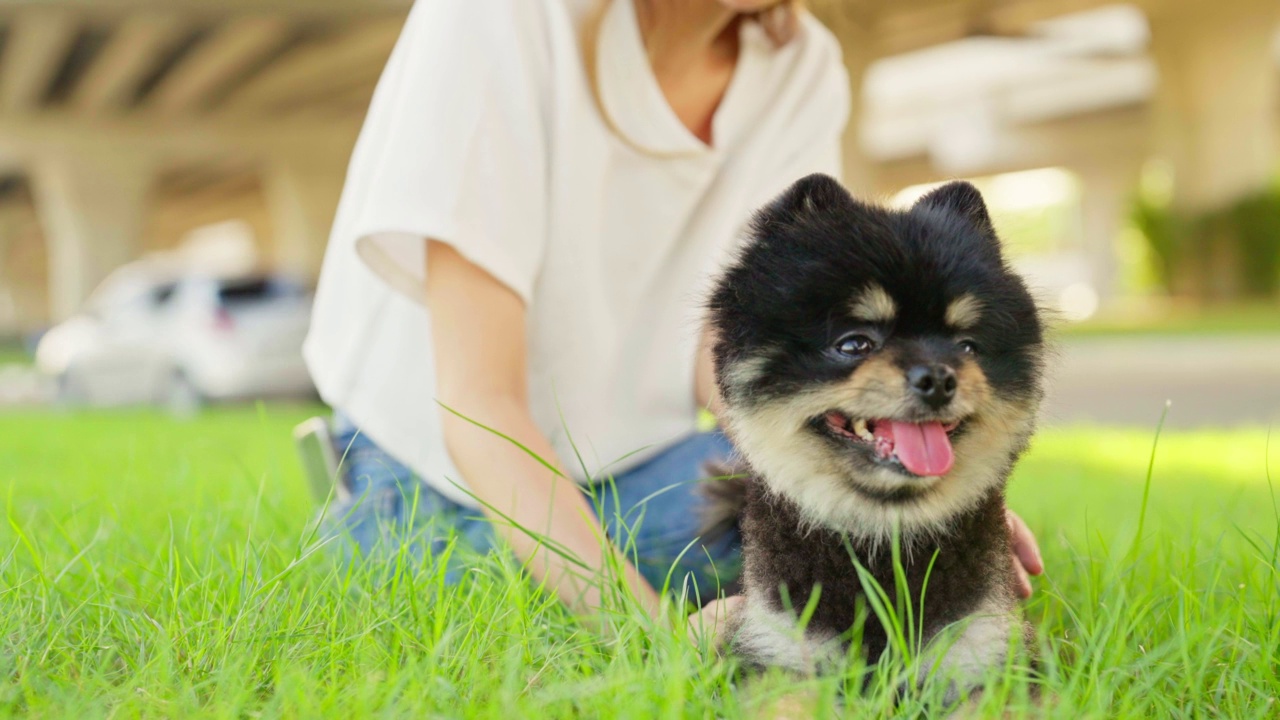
302	196
9	324
1107	190
1215	106
92	206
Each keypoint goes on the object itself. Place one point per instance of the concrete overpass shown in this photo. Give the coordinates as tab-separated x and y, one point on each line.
125	123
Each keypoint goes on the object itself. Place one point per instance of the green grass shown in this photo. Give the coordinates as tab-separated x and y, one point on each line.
161	569
11	354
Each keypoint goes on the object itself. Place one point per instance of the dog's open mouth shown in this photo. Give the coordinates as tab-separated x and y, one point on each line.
921	449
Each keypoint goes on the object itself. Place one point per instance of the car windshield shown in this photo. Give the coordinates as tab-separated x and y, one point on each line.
237	292
162	294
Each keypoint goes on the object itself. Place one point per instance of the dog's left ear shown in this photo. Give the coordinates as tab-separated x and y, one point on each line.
810	194
963	199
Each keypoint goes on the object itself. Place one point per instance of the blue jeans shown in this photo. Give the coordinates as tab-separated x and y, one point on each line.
652	511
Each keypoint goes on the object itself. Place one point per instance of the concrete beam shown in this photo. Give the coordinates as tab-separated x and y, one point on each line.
898	26
1102	137
38	43
357	53
135	47
915	26
233	49
24	139
214	9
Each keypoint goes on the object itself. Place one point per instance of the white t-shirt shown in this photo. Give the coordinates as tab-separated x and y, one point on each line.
484	134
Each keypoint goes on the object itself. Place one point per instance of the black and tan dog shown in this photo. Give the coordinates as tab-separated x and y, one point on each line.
880	373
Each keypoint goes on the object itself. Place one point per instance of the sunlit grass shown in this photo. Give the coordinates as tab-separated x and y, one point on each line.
154	568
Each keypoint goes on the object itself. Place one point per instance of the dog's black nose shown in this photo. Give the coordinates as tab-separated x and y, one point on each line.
935	384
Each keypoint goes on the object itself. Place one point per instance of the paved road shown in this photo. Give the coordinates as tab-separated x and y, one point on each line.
1121	381
1212	381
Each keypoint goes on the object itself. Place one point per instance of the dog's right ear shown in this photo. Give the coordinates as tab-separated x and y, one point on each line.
810	194
963	199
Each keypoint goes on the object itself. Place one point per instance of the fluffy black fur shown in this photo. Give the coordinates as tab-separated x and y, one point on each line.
780	308
972	561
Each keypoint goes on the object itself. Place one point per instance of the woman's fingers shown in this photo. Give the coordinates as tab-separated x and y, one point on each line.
1023	579
709	622
1027	560
1024	544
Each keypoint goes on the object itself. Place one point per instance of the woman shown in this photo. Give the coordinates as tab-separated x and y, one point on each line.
539	194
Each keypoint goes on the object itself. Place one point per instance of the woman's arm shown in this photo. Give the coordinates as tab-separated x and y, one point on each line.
478	333
705	391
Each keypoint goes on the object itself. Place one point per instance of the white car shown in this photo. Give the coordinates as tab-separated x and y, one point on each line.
147	337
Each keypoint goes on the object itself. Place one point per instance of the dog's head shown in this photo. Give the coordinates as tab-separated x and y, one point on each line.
875	365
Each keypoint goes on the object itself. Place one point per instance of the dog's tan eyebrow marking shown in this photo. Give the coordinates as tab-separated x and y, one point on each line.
874	305
743	372
964	312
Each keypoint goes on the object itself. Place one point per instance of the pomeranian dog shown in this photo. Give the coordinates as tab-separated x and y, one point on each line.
880	373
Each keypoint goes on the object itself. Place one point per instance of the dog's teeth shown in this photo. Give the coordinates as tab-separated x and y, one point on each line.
860	429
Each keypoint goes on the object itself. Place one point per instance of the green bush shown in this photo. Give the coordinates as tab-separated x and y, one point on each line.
1255	221
1161	230
1186	249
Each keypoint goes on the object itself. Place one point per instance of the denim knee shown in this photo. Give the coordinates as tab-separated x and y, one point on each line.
390	510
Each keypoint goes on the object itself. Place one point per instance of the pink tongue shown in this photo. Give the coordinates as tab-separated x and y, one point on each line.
924	449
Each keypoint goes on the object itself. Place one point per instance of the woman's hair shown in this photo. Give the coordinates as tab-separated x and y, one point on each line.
780	22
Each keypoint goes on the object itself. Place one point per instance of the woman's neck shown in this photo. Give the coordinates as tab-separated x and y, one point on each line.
693	48
683	33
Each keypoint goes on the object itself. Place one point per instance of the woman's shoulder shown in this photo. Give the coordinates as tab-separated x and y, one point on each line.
483	47
492	26
817	41
808	75
819	53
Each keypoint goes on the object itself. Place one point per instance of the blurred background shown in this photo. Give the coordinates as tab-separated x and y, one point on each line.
169	170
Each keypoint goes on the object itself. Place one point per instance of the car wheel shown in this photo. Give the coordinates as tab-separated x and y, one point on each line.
183	399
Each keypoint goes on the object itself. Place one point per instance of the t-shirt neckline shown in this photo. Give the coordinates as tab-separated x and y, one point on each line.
634	102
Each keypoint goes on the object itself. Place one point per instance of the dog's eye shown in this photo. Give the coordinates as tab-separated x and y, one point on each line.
968	347
855	345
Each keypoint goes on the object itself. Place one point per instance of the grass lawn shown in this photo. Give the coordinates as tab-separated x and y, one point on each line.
13	355
162	569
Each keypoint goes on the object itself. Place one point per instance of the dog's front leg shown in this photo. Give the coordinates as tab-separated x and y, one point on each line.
963	653
763	637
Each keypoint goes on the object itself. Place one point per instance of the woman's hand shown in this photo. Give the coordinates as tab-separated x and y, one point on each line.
705	392
711	620
1026	553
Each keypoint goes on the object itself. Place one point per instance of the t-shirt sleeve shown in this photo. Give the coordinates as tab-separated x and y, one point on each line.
453	148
